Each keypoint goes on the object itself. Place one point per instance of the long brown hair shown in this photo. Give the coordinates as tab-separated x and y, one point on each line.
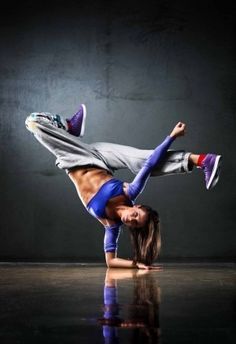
146	241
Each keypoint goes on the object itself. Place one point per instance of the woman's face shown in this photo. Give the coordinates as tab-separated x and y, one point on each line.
134	216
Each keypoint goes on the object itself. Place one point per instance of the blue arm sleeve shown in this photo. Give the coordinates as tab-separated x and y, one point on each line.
111	313
110	301
139	182
111	237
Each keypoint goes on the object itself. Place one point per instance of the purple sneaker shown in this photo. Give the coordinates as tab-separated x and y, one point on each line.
76	124
211	167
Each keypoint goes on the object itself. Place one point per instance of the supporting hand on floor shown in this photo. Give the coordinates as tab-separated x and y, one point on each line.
149	267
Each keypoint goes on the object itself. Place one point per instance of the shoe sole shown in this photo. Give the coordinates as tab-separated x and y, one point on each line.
215	181
83	121
215	173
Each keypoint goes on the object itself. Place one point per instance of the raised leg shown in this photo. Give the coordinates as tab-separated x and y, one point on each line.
69	150
51	131
119	157
175	162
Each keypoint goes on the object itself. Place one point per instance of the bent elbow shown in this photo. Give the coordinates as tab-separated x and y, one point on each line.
109	258
109	263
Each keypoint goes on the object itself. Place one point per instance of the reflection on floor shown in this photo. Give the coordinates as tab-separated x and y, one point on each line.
73	303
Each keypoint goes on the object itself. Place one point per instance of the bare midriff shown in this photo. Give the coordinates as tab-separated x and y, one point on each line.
88	180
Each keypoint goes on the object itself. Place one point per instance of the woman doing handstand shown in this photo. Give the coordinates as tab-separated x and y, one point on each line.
109	200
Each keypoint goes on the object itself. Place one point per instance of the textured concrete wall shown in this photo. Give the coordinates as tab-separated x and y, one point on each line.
139	69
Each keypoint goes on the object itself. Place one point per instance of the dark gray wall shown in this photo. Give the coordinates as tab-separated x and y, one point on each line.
139	69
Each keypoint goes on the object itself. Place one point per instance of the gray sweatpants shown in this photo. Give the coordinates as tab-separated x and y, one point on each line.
71	152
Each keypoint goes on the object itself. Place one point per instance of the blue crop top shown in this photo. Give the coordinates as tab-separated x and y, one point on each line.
114	187
97	205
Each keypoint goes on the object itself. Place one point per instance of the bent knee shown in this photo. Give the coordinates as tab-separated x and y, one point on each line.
36	118
31	121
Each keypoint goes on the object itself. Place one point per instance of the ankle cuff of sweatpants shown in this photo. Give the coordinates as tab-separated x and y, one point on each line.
187	165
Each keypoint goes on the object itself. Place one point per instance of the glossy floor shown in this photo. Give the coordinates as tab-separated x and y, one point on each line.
63	303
